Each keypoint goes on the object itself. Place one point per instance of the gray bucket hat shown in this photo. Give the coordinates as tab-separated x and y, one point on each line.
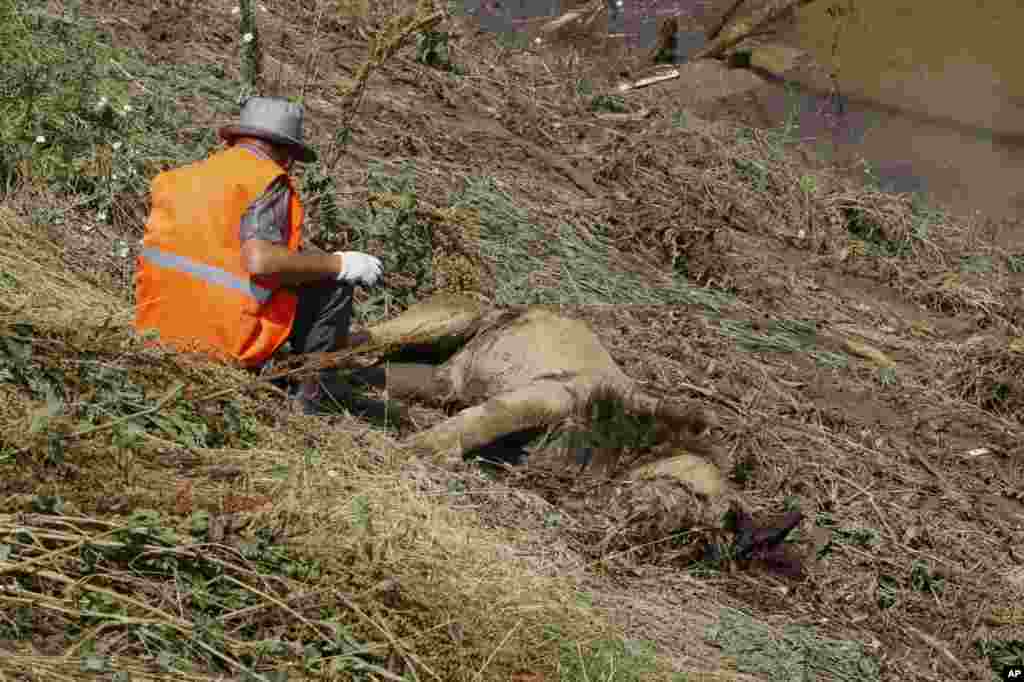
272	119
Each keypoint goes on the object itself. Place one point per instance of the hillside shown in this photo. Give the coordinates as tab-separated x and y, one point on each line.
164	518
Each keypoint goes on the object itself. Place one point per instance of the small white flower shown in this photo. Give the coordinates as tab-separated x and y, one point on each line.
114	176
101	216
40	139
116	145
102	104
127	109
236	10
247	38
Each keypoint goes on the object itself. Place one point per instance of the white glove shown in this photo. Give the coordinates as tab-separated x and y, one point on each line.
359	267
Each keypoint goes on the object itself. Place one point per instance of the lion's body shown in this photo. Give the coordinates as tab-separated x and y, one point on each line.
537	345
523	369
518	370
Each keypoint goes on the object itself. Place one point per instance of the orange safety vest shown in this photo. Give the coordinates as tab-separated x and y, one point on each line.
191	285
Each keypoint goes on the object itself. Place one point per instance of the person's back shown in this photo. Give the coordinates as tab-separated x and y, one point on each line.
200	295
222	269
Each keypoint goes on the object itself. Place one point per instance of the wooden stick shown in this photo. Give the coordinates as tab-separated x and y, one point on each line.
717	27
651	80
571	16
638	116
735	33
741	29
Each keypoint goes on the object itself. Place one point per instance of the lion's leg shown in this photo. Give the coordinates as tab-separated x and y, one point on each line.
437	318
406	380
530	407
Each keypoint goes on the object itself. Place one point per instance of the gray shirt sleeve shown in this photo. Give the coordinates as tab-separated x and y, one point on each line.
267	217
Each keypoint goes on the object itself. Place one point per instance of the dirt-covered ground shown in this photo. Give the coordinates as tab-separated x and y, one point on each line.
863	353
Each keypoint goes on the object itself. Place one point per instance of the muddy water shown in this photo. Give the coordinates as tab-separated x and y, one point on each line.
932	94
938	93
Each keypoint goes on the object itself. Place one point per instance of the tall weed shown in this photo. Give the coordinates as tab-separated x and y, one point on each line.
85	119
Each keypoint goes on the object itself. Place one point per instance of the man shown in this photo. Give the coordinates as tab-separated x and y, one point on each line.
221	269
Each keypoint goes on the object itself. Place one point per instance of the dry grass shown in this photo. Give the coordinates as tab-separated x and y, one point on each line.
287	524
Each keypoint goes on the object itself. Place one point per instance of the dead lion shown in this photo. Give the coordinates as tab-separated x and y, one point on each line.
522	369
528	368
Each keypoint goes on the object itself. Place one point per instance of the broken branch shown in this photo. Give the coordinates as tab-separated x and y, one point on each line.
724	19
743	28
650	80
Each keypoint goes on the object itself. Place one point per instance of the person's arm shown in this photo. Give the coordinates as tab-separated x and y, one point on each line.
263	233
262	257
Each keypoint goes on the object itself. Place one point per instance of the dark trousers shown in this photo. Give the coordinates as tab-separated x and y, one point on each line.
323	317
322	321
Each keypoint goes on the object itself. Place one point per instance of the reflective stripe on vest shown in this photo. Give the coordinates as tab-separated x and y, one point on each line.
207	273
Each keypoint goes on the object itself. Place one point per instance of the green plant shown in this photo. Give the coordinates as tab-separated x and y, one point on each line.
619	660
830	359
871	178
564	265
924	215
613	103
794	654
251	53
860	537
1001	652
603	423
754	172
743	469
780	336
52	101
976	264
432	50
111	392
320	194
513	40
786	133
88	120
922	579
211	587
581	270
887	593
863	226
404	240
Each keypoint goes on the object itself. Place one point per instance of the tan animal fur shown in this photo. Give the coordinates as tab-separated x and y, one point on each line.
520	369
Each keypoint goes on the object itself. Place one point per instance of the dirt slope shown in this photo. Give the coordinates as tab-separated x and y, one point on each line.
865	355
